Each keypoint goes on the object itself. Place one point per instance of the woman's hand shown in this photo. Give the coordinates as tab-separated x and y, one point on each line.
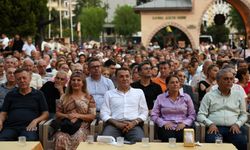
180	126
169	126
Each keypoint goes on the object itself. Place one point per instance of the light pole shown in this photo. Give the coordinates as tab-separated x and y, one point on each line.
60	17
71	21
49	18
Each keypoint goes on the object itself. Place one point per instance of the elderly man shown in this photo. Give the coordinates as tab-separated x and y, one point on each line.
223	111
7	86
36	79
53	90
41	67
124	109
23	109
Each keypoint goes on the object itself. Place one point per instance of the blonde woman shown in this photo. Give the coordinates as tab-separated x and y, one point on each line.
76	110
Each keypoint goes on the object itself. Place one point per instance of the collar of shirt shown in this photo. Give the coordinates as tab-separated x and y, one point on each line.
180	92
96	80
118	91
4	85
221	93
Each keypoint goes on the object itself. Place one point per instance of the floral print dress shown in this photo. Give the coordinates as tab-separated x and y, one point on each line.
82	105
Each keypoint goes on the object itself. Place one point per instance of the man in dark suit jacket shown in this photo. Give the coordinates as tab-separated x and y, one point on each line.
188	89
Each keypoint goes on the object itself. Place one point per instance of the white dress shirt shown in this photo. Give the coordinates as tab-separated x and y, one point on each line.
124	106
36	81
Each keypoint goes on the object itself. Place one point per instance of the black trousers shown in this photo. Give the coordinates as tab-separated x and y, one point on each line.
165	134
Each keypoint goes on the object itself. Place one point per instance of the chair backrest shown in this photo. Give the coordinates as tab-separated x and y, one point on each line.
48	140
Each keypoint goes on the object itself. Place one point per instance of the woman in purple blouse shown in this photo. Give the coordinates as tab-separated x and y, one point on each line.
173	111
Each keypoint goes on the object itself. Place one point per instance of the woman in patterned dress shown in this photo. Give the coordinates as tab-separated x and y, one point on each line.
75	104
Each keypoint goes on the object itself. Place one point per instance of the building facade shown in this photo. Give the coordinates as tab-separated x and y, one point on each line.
186	15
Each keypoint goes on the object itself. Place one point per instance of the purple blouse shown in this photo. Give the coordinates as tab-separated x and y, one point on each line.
166	110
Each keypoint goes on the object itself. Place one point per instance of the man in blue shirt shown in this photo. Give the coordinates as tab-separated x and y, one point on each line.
97	84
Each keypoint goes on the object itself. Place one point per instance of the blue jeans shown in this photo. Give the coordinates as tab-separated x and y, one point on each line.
238	140
8	134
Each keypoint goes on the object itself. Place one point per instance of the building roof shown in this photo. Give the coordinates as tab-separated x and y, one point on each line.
165	5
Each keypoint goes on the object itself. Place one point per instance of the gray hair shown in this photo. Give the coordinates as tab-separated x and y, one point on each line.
40	61
221	72
9	57
28	59
61	72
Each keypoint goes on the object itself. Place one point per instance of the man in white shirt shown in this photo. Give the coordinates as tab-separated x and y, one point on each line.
124	109
5	41
28	47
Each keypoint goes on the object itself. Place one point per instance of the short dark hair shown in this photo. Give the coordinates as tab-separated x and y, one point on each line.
169	78
164	63
241	62
142	64
109	63
19	70
122	68
240	73
92	60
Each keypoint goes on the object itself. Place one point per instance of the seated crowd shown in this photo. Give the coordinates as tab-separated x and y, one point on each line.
123	90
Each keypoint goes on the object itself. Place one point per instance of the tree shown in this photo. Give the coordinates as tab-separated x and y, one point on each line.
85	4
23	17
126	21
219	33
92	20
235	20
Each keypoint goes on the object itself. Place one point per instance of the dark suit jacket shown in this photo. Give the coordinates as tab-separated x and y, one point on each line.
188	90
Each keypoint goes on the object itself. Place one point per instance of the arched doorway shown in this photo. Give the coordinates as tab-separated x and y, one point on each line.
243	8
154	17
171	35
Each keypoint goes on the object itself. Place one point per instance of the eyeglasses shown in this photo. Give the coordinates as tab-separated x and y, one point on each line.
58	78
147	68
